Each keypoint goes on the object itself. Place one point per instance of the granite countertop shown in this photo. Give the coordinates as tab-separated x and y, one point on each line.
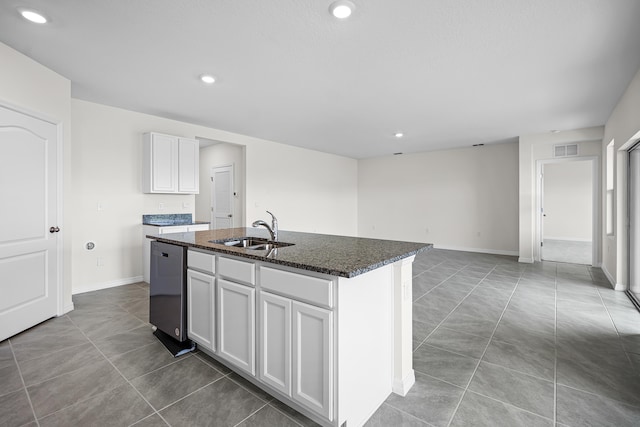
172	224
170	220
334	255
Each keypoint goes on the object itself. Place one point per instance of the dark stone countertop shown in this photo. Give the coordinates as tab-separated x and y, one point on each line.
170	220
334	255
173	224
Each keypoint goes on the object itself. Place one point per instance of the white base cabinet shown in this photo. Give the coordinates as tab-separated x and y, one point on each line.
275	342
201	302
236	324
324	345
296	351
312	360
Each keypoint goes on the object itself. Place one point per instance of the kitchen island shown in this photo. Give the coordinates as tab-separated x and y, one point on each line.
321	322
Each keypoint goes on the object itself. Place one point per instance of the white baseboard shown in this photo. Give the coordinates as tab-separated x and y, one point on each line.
106	285
477	250
402	387
67	308
612	282
525	260
567	239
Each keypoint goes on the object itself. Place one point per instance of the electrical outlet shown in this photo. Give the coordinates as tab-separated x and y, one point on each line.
100	262
161	206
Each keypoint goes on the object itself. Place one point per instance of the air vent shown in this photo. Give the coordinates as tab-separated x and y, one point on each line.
565	150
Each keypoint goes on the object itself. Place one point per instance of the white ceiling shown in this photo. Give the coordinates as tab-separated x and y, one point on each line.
447	73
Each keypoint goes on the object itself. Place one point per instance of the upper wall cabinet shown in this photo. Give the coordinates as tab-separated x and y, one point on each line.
170	164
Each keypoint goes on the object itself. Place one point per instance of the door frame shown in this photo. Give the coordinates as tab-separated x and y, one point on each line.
621	215
213	190
595	203
60	303
634	147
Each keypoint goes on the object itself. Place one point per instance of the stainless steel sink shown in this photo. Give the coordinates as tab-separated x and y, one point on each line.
252	243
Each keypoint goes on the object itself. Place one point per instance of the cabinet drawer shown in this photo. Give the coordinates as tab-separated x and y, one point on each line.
234	269
201	261
298	286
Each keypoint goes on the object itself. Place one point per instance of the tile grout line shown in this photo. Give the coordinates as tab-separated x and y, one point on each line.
24	385
510	404
121	374
406	413
188	394
251	414
284	413
452	310
616	328
555	350
466	388
147	417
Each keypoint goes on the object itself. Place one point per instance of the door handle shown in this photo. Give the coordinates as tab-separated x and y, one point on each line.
230	216
54	229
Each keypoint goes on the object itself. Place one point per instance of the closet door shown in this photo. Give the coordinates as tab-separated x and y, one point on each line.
634	220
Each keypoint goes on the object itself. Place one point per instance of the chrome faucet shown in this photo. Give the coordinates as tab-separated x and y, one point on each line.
273	229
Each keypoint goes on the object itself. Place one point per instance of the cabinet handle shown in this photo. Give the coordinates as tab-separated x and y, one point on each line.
54	229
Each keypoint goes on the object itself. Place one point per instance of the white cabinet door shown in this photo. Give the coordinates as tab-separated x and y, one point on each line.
275	342
188	165
201	309
313	358
170	164
164	155
236	324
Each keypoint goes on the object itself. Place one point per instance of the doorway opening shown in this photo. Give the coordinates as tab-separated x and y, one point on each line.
221	200
567	210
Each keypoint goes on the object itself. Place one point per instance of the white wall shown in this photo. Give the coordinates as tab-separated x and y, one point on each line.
540	147
461	199
215	156
26	84
623	127
308	190
568	199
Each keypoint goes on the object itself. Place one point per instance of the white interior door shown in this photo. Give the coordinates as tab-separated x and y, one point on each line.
222	197
29	283
634	221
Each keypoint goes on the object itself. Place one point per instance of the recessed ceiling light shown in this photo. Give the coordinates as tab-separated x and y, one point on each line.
342	9
398	134
33	16
208	79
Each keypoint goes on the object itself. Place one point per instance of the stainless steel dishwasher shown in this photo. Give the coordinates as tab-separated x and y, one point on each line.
168	290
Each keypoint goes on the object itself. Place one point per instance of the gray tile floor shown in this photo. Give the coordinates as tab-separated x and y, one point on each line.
567	251
497	343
